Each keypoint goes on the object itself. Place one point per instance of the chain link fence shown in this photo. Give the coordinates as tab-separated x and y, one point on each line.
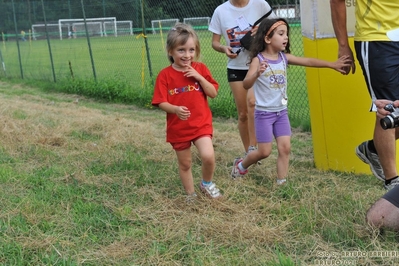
124	40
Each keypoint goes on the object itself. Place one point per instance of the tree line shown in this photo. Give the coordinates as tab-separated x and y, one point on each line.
28	12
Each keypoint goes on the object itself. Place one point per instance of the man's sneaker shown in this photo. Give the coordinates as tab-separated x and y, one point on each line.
364	154
251	149
393	184
236	171
210	191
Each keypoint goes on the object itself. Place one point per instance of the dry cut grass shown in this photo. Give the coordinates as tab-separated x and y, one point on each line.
86	183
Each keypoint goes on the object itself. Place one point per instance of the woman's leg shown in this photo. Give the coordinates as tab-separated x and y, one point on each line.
240	98
251	117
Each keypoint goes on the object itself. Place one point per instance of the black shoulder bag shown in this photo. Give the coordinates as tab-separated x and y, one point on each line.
247	39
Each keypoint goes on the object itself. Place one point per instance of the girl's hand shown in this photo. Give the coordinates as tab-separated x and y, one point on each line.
262	67
191	72
182	112
342	64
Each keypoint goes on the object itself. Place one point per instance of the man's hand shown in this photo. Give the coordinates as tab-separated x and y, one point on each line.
381	112
346	51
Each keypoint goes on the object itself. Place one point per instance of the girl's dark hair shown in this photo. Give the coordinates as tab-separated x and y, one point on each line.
258	43
179	35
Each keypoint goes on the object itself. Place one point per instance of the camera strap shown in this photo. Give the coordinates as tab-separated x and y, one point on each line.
264	16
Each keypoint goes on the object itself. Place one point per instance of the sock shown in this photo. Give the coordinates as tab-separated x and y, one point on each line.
371	147
241	168
206	183
388	181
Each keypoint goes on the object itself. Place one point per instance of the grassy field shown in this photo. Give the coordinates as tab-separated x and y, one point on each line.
125	58
88	183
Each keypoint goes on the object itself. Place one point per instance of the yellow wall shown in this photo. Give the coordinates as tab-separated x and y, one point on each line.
339	110
339	105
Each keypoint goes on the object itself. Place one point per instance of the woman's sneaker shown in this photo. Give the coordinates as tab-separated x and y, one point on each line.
210	191
235	173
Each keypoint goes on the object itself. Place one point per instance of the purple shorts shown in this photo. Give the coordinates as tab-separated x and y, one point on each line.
269	124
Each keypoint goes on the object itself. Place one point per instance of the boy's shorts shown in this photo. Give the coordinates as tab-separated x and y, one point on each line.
180	146
269	124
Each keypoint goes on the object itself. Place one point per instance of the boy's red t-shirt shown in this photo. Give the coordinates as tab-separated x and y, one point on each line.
173	87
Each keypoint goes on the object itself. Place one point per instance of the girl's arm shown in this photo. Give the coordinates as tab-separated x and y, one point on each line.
217	46
167	107
208	87
159	99
181	111
256	68
339	65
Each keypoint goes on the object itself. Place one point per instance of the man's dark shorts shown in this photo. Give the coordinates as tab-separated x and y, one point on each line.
380	64
393	196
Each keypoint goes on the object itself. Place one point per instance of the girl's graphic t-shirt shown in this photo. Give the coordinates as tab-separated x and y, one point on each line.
173	87
271	87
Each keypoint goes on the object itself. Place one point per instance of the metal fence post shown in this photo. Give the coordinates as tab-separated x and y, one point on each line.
48	42
17	37
88	42
3	64
145	39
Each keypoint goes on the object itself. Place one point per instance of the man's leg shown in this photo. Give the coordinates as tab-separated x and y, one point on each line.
379	63
385	143
383	214
385	211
